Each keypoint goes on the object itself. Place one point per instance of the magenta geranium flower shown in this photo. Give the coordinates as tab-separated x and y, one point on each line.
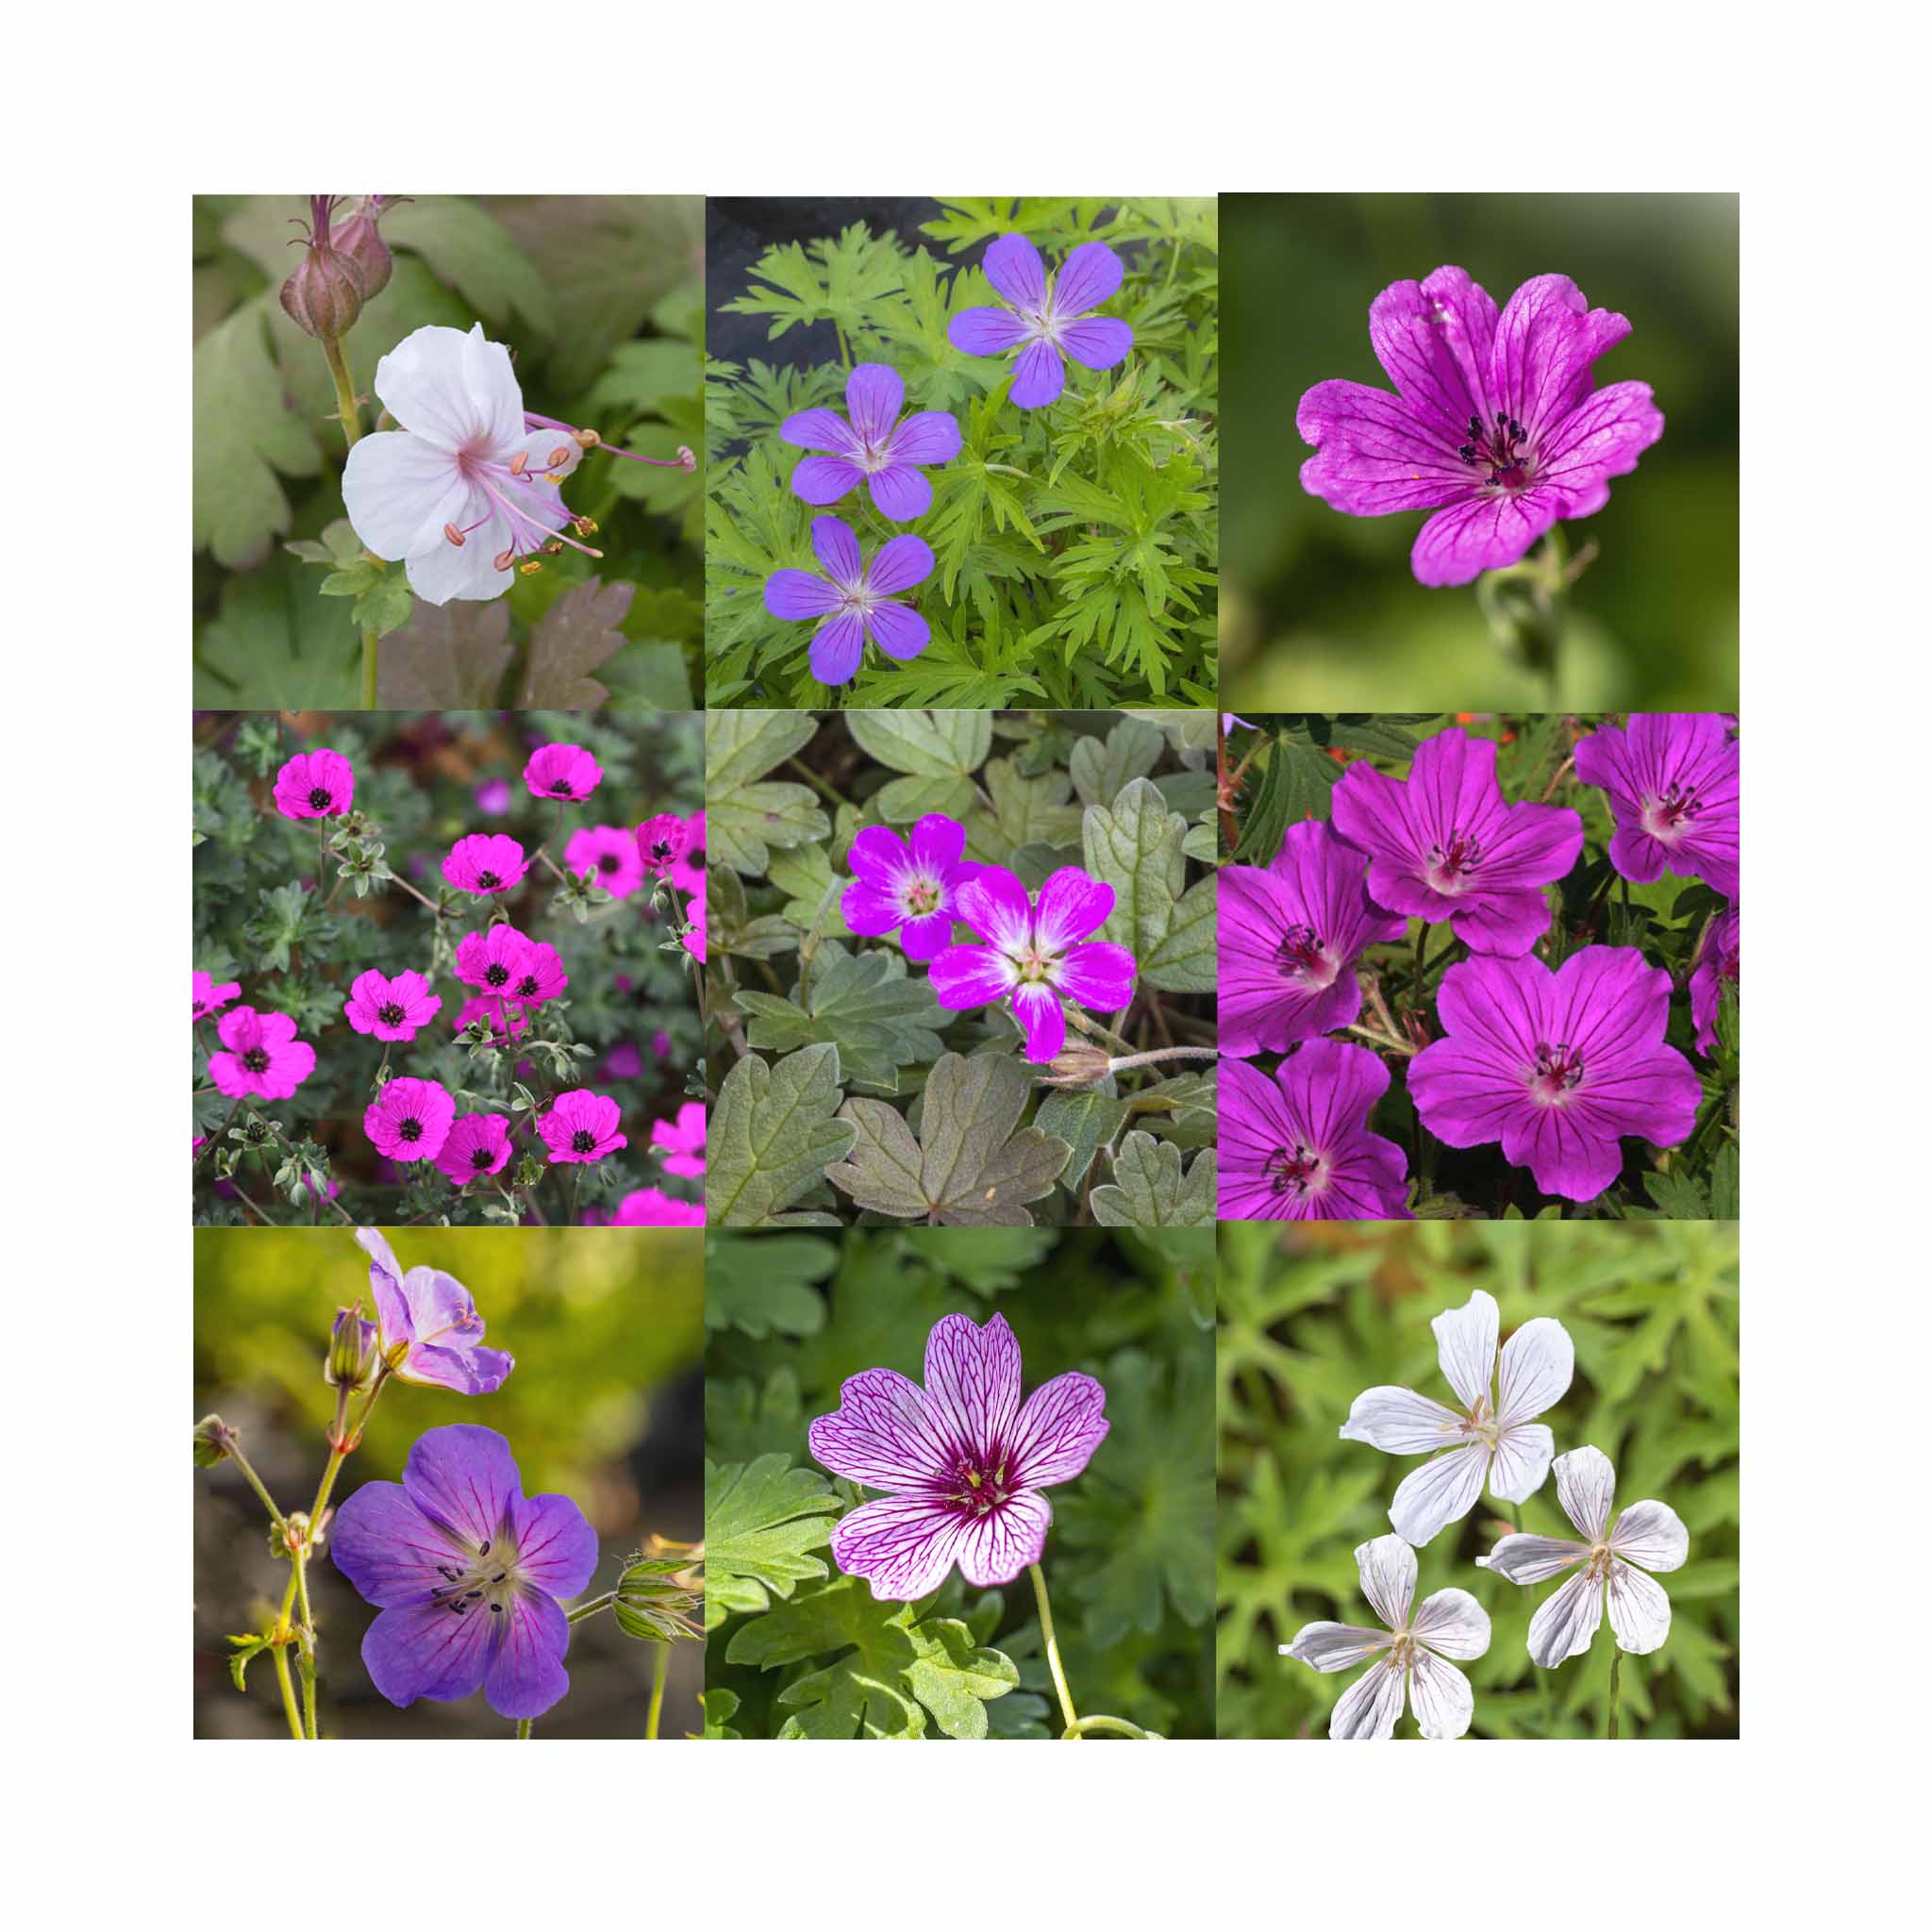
1717	963
856	600
683	1140
874	448
963	1461
1556	1066
694	940
1046	318
582	1125
315	785
562	771
1442	845
409	1119
210	998
913	884
1034	956
541	975
1296	1146
263	1056
662	841
492	959
653	1207
1673	782
476	1144
430	1331
1496	423
505	1023
391	1008
1289	936
467	1573
608	856
485	862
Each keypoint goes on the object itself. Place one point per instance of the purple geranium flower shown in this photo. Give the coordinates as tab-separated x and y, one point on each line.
875	448
466	1571
1672	781
1442	845
1035	954
858	602
1558	1066
1288	938
916	885
1297	1146
1496	421
1041	322
430	1330
1716	962
963	1461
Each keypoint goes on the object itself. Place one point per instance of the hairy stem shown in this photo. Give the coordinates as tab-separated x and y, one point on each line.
1616	1671
660	1670
348	414
1053	1649
287	1685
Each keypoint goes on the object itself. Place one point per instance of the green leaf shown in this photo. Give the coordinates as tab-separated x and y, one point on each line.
474	254
765	1286
1150	1190
1134	846
276	644
1100	768
864	1003
762	1519
773	1135
1087	1120
720	1706
744	818
938	750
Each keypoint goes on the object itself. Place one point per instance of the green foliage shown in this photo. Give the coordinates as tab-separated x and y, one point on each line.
1310	1320
760	1521
1075	546
771	1136
1150	1190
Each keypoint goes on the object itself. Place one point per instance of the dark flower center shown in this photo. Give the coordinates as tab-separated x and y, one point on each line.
480	1157
319	798
409	1130
1559	1069
561	788
496	974
1457	857
583	1140
1292	1170
255	1059
1500	449
526	985
488	881
607	862
390	1015
979	1484
661	848
1299	952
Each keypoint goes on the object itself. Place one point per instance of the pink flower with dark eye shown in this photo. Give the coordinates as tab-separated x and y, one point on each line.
653	1207
1046	318
582	1125
263	1057
541	976
492	959
315	785
855	601
562	771
876	447
210	998
476	1144
683	1140
486	863
607	856
391	1008
693	941
662	841
409	1119
1035	955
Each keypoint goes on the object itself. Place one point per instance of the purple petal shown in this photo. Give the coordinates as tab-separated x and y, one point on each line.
972	1382
1373	454
837	646
986	331
1458	544
900	492
1507	923
898	630
837	549
930	437
1435	337
1098	343
881	1434
962	977
1547	339
996	907
465	1368
924	939
1098	975
819	480
427	1649
902	562
388	1548
464	1477
938	840
1563	1153
556	1548
527	1676
878	855
874	397
797	593
868	911
996	1547
1039	375
1072	905
1058	1430
1013	266
902	1545
1603	437
819	429
1043	1019
1087	278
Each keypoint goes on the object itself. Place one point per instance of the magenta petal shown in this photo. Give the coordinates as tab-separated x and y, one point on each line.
837	549
1098	975
881	1435
819	480
1603	437
930	437
1098	343
902	562
427	1649
898	630
873	396
1435	338
464	1477
986	331
387	1547
972	1380
924	939
901	1545
837	646
1043	1019
526	1676
1059	1428
996	1547
900	492
938	840
1013	266
1372	454
1458	544
818	430
996	905
556	1546
878	855
1547	339
797	593
1072	905
963	977
868	911
1039	375
1087	278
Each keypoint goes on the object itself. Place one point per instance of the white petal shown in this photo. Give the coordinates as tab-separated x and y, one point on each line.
1439	1695
442	571
1531	1559
1335	1646
1567	1621
1370	1705
1652	1534
1466	1346
457	389
1444	1490
1388	1572
539	447
1523	1460
1401	1422
1453	1624
1586	1487
1640	1610
399	492
1538	1364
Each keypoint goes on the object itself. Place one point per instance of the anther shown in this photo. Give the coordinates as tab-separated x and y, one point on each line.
530	568
519	461
558	457
454	535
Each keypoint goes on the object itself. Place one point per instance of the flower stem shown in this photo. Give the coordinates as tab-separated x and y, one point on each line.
1053	1649
256	1483
660	1670
1616	1668
1080	1727
348	414
283	1679
1166	1053
522	1728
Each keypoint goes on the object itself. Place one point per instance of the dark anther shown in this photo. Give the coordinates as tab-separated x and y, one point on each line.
255	1059
390	1015
496	1609
526	985
496	976
483	1549
488	881
480	1159
410	1130
582	1141
319	800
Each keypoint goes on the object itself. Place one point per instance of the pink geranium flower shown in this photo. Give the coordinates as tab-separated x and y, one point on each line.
693	941
662	841
607	856
492	959
476	1144
484	863
210	998
410	1119
263	1057
315	785
541	976
391	1008
653	1207
562	771
683	1140
582	1125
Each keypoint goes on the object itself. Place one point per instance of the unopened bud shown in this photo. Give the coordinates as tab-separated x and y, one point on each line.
351	1360
326	294
361	242
214	1441
1078	1065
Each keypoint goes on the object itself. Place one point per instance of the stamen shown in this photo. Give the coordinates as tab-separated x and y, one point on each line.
519	461
454	535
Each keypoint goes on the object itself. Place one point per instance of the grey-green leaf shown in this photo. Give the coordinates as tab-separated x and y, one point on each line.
773	1135
1150	1190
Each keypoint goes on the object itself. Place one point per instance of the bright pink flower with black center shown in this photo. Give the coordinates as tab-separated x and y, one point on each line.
210	998
477	1145
541	975
683	1140
391	1008
492	959
315	785
653	1207
562	771
263	1057
582	1125
410	1119
506	1022
662	841
607	856
484	863
694	940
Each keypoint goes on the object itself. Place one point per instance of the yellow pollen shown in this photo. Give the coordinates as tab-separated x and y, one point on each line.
530	568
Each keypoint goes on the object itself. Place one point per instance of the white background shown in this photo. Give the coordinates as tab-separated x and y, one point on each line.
1819	118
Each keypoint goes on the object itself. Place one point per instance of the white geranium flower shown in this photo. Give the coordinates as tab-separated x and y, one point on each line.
1491	1435
1615	1556
1449	1623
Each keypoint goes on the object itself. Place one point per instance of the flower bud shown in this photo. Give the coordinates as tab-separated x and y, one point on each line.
213	1441
1078	1065
325	295
361	242
351	1360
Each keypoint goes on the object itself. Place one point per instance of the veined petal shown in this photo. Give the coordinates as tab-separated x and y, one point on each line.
1435	337
794	595
898	629
924	939
1547	339
1538	1364
837	550
400	490
1491	532
899	493
526	1676
819	480
1565	1622
1522	1461
454	388
962	977
986	331
1441	1491
1451	1624
556	1548
1373	455
902	562
994	1548
1440	1696
1531	1559
1587	1486
1335	1646
464	1477
1640	1610
1039	375
996	907
389	1549
972	1382
1086	278
901	1545
821	430
1466	1346
1401	1422
879	856
881	1434
1098	343
836	648
1369	1708
1056	1431
867	910
1652	1534
1043	1019
1013	266
1098	975
427	1650
1387	1569
1071	906
927	436
875	394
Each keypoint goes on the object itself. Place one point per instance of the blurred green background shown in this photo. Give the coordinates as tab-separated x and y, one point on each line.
1129	1558
1311	1319
606	1325
1321	611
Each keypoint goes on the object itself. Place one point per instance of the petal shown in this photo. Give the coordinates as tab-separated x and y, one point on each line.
794	595
455	388
1013	266
986	331
1587	1486
879	856
1547	339
1565	1622
1435	338
837	550
867	910
1098	343
1043	1020
1072	905
556	1548
881	1434
1334	1646
819	429
1401	1422
938	841
1099	976
427	1650
466	1368
898	630
1539	1362
924	939
1603	437
1531	1559
443	572
902	1545
1440	1696
1441	1491
995	1547
1459	543
1373	455
388	1548
1640	1610
1451	1624
399	492
1387	1569
1089	275
930	435
1522	1461
819	480
962	977
1652	1534
526	1676
1369	1708
902	562
837	646
1466	1346
874	397
996	905
899	493
464	1477
1039	375
1056	1431
972	1382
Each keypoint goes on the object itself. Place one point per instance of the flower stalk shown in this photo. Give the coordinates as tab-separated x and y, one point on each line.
1053	1651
